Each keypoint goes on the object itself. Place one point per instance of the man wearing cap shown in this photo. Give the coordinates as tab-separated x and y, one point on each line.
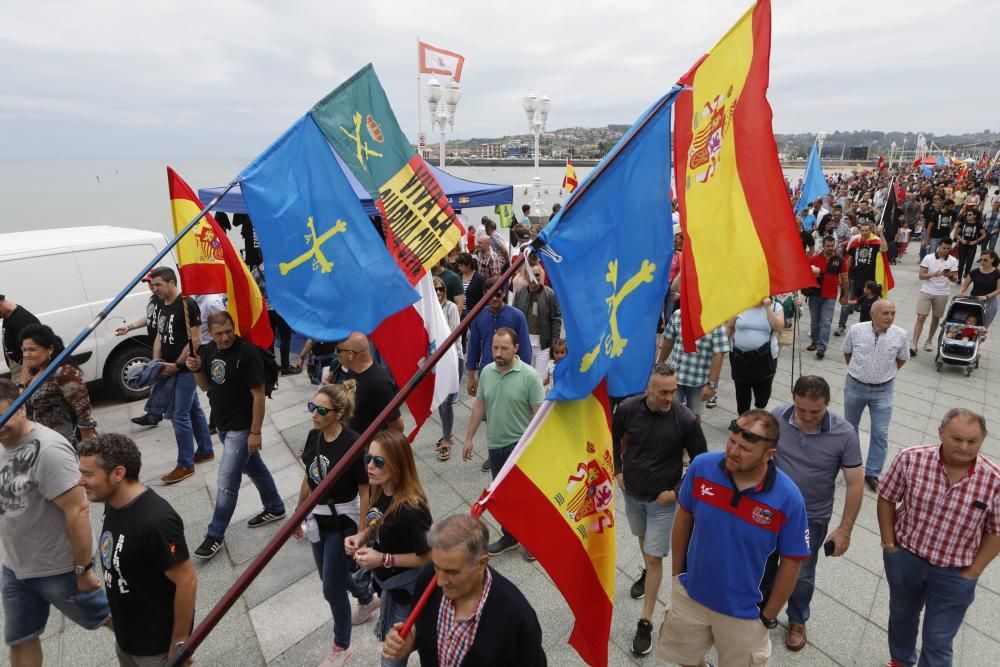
15	318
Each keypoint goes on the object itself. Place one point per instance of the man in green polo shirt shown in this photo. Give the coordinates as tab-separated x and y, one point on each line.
510	393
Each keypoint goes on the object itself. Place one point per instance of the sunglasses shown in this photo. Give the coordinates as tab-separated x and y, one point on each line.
318	409
378	460
749	436
438	289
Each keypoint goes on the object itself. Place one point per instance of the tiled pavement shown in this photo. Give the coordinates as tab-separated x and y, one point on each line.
283	620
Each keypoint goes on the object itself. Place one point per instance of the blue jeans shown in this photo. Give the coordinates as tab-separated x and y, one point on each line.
915	584
878	400
691	397
398	614
446	411
331	561
316	366
498	457
820	320
798	603
26	604
236	460
189	421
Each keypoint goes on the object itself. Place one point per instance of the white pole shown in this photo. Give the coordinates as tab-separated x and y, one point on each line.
441	159
420	121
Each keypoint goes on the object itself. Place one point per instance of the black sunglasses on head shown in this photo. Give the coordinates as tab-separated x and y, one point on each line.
378	460
748	435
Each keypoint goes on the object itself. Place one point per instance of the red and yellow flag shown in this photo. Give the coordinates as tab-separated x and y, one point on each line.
556	496
569	180
741	241
209	264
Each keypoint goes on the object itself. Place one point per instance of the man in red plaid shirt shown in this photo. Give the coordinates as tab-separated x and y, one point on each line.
475	617
939	519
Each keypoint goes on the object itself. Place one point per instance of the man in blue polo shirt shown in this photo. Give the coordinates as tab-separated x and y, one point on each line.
735	509
495	316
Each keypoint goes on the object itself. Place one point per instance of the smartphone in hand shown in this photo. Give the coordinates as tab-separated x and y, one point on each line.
828	547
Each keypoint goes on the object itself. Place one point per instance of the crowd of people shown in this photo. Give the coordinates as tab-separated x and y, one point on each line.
742	522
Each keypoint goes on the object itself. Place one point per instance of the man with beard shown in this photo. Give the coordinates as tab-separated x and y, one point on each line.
734	511
509	395
148	576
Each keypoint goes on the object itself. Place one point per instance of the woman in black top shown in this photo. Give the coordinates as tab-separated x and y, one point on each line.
984	281
338	514
969	232
394	544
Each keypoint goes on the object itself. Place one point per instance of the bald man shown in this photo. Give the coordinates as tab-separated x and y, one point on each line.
375	384
874	351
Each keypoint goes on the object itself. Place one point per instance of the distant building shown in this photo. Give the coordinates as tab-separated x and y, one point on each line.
493	151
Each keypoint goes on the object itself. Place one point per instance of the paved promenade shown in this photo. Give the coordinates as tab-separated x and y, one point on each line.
283	620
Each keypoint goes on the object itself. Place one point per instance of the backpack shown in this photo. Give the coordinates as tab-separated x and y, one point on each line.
270	369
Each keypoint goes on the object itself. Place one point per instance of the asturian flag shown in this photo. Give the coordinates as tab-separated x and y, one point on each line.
439	61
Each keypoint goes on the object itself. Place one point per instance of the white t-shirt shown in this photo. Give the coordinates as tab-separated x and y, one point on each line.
937	286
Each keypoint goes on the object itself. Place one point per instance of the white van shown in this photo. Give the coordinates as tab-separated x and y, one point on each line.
65	277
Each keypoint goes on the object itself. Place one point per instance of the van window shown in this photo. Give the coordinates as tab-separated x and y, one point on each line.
44	283
106	271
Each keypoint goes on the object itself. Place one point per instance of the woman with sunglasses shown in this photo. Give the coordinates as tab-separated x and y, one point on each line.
393	545
446	411
337	516
985	283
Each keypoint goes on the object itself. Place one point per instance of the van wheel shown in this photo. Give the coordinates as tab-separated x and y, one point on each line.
117	368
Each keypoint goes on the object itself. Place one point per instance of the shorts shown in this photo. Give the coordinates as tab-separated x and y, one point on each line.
932	303
652	522
26	605
691	397
690	629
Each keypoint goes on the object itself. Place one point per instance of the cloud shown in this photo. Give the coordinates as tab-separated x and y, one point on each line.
226	77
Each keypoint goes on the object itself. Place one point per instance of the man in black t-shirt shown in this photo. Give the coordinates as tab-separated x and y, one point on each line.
15	318
148	576
375	384
941	226
969	233
231	371
178	337
650	434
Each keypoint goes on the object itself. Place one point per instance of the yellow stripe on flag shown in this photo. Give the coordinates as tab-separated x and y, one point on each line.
714	190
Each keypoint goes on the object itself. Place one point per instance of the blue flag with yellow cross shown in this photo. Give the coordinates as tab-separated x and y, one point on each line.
608	259
328	271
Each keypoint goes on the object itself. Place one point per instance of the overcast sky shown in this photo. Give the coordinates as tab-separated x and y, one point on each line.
222	78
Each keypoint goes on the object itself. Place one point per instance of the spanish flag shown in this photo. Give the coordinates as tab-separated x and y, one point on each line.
209	264
569	180
741	241
556	496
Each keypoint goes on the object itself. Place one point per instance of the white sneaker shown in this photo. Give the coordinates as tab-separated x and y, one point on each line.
337	657
363	612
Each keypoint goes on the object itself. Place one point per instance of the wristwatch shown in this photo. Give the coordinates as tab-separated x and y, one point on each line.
769	623
79	570
711	385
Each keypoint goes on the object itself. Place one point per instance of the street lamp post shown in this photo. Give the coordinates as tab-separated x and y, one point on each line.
537	110
442	102
820	138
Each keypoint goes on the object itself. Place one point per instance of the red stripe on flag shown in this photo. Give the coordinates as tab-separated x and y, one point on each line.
203	279
549	538
403	342
760	170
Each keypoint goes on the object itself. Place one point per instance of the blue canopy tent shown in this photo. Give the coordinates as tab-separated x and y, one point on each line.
461	193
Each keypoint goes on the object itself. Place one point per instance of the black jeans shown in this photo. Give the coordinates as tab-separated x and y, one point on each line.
761	391
283	333
966	259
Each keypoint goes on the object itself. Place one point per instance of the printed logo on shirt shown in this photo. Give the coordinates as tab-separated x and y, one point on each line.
16	480
762	515
318	468
104	546
374	517
217	371
706	490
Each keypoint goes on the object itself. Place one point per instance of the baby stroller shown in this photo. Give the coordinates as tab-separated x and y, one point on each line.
960	335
